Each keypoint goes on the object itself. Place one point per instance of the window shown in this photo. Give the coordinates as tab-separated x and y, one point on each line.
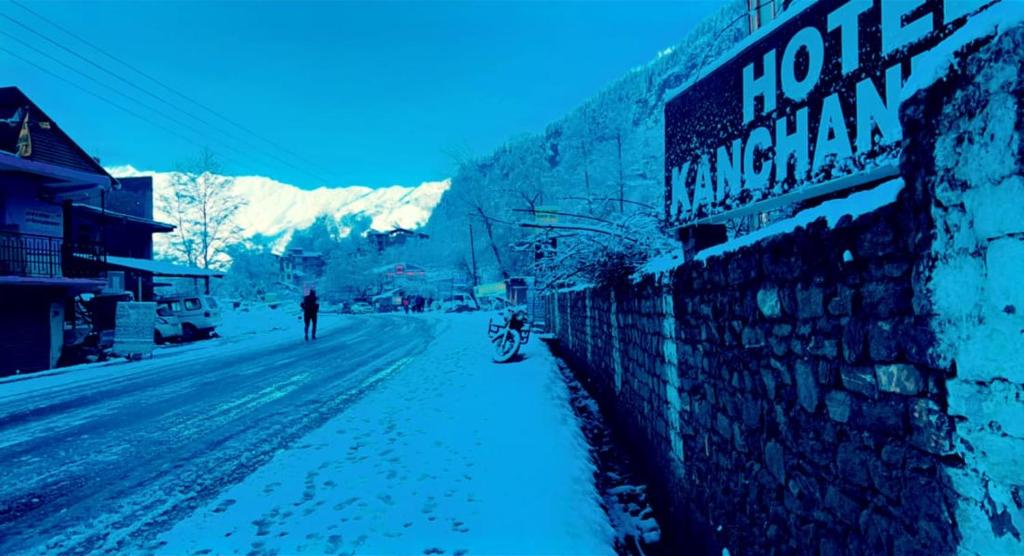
193	304
762	12
211	302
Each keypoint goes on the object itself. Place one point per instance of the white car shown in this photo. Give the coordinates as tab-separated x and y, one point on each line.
168	326
459	303
361	308
199	314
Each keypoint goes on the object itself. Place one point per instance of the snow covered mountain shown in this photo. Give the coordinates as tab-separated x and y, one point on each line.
277	209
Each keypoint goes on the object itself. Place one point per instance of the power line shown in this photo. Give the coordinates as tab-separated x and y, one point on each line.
95	94
149	93
199	132
161	83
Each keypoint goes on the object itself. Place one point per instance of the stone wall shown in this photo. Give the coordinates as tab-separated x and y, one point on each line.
854	389
974	167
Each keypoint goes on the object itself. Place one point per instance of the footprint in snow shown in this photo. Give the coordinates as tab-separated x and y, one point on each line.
223	506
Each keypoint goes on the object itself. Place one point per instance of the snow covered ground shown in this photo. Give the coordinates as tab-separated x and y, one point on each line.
391	434
454	455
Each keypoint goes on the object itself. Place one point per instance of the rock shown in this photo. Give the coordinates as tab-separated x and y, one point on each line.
882	417
838	404
769	303
823	347
806	385
809	302
932	429
852	462
886	299
883	341
773	459
900	378
842	303
753	337
860	380
854	340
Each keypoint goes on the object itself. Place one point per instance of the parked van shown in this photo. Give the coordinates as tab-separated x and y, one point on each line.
199	314
168	326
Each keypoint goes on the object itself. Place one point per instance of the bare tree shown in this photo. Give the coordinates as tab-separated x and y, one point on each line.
203	207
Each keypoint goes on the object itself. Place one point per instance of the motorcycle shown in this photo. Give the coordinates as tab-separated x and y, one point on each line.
508	337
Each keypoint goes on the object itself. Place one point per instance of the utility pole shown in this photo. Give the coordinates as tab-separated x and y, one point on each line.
472	253
622	186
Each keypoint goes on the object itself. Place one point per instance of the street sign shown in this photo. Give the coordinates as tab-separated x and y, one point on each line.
810	100
490	290
546	214
134	325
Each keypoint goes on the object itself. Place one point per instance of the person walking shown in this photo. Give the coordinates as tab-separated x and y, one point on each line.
310	307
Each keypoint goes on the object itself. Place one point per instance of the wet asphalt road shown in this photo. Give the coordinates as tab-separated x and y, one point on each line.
106	465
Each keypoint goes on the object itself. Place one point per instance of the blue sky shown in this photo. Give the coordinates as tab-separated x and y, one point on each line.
353	93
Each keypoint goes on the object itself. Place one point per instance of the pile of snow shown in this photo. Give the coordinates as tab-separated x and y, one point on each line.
277	209
452	454
255	319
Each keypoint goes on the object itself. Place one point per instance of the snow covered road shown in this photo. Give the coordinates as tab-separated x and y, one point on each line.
106	458
268	445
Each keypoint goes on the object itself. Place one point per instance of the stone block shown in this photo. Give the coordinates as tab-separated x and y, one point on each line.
852	462
992	349
838	404
932	430
769	303
886	299
809	302
1004	261
753	337
806	385
859	379
997	211
956	286
775	461
900	378
842	303
885	417
823	347
997	402
854	341
883	341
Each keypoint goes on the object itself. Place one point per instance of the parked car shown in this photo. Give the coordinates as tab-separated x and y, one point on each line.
494	303
360	308
168	326
199	314
459	303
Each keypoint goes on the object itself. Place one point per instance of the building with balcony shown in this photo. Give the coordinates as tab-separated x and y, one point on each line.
301	268
122	221
42	173
382	241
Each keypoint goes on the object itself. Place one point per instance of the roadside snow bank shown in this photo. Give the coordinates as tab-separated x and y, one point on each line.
258	318
452	455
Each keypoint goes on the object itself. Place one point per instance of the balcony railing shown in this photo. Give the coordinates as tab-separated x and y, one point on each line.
49	257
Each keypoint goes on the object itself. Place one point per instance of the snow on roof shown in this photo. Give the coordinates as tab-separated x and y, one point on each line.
855	205
162	268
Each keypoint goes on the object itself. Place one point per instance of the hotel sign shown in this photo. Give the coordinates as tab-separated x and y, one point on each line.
815	98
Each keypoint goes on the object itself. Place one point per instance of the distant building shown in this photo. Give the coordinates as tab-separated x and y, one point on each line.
301	268
42	265
382	241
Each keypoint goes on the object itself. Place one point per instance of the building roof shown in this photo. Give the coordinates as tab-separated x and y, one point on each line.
162	268
50	145
156	225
